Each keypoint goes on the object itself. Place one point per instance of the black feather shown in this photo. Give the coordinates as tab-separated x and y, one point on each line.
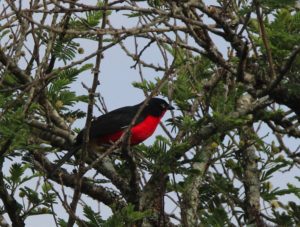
112	122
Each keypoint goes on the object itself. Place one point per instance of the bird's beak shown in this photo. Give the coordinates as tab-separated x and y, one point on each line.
170	107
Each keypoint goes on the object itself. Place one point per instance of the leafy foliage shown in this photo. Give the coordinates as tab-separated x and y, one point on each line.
224	156
126	217
59	92
90	20
12	127
284	32
93	217
65	51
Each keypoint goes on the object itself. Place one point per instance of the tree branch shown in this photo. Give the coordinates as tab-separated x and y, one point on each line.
62	177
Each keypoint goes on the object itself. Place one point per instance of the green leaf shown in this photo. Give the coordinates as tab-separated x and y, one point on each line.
65	51
4	33
145	85
283	219
90	20
16	171
275	4
295	190
31	195
126	217
132	15
66	77
46	187
93	217
283	33
281	192
155	3
93	18
12	126
62	223
216	216
268	174
59	92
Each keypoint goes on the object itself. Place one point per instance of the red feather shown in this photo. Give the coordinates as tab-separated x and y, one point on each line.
139	132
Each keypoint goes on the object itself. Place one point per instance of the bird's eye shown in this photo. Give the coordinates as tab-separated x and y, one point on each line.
163	106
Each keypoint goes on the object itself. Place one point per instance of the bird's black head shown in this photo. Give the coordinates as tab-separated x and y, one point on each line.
156	107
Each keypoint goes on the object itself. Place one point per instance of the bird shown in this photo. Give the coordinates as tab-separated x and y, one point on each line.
109	127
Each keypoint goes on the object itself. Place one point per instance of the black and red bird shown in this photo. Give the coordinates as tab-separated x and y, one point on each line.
109	127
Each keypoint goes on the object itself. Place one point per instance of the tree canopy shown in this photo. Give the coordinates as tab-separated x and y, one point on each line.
230	152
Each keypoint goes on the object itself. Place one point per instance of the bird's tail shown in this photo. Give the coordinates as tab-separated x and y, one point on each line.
65	158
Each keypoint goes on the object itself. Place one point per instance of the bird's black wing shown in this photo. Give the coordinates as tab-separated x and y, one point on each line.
106	124
112	122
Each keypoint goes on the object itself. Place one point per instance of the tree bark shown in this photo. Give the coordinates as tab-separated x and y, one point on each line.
251	179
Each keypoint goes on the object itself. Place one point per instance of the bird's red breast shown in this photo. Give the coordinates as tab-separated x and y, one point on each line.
139	132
